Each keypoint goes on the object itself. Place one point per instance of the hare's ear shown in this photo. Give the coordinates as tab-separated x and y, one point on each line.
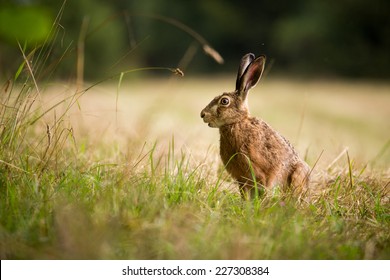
244	63
251	76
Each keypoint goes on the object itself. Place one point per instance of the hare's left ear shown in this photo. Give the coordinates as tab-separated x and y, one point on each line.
251	76
244	63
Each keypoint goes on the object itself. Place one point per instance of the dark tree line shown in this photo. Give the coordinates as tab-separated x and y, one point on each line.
347	38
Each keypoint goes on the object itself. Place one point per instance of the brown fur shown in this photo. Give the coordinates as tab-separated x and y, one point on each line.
250	149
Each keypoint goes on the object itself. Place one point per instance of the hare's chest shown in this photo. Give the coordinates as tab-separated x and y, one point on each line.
233	150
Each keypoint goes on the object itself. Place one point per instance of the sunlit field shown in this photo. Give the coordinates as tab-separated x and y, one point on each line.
317	116
129	171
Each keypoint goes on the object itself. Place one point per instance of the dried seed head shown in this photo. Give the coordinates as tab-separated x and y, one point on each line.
177	71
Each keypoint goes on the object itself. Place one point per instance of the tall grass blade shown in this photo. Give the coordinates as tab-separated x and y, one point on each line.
351	183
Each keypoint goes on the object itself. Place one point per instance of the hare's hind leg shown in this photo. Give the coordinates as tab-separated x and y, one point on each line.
300	177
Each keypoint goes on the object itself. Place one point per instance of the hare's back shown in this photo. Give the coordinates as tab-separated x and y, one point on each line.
265	142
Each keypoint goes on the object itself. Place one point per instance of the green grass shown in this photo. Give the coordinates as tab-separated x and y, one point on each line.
101	211
71	188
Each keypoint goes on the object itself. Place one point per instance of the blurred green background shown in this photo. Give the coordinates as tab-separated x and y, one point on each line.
344	38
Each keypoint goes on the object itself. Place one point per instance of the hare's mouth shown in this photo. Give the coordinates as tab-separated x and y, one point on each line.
209	120
211	124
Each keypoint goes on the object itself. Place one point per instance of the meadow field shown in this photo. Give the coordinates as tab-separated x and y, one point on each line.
129	171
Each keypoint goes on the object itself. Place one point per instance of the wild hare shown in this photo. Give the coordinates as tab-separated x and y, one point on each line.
254	154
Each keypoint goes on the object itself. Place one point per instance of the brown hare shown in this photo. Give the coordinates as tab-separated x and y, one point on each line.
253	153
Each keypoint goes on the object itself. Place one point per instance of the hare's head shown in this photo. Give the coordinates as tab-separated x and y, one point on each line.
232	107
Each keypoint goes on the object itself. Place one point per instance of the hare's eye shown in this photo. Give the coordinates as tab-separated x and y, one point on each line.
225	101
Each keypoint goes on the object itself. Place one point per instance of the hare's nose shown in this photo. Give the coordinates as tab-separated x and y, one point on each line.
202	114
